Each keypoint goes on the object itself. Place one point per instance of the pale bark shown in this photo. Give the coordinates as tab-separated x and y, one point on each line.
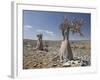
65	50
39	42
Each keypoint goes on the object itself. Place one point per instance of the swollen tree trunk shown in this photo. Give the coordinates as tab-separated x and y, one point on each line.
69	53
69	50
39	44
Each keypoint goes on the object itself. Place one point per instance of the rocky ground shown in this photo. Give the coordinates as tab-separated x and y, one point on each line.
34	59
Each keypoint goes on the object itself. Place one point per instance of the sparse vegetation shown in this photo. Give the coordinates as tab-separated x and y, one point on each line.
42	53
42	59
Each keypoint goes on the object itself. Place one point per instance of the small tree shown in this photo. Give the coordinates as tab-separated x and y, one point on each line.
66	27
39	42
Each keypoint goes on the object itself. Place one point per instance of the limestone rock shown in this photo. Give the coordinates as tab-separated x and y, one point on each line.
67	64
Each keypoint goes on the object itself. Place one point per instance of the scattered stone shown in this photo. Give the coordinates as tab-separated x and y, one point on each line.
34	58
54	65
75	63
55	58
67	64
84	63
35	65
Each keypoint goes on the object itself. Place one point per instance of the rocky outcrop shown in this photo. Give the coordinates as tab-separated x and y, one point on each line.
75	63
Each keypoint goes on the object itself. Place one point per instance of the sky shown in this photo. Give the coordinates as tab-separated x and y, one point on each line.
47	23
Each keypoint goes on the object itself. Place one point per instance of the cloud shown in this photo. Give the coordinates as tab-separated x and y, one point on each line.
45	32
31	33
49	35
27	27
39	30
49	32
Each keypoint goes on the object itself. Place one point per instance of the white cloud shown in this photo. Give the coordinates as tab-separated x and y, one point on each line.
31	33
49	32
27	26
49	35
39	30
45	32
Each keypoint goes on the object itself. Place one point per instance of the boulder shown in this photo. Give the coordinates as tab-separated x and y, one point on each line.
67	64
75	63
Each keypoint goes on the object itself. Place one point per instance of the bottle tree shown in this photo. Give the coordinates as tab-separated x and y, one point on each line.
39	44
66	27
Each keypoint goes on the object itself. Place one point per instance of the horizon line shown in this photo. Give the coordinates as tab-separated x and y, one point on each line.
61	40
